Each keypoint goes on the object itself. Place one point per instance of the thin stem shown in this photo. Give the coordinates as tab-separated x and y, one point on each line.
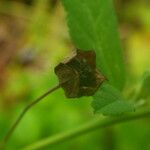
14	126
84	129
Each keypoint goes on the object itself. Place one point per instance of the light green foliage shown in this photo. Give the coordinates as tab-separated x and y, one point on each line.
92	25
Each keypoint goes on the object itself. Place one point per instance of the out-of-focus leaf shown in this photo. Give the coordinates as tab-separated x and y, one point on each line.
143	91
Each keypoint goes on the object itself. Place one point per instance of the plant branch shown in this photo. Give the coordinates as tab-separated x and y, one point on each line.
14	126
91	126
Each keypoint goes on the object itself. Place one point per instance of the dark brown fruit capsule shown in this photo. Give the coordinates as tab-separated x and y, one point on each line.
79	74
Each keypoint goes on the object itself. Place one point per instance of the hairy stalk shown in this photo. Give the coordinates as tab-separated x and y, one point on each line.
14	126
91	126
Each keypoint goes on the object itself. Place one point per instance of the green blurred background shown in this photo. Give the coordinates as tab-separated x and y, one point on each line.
33	39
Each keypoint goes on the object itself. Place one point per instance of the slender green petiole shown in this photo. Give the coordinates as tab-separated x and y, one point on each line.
14	126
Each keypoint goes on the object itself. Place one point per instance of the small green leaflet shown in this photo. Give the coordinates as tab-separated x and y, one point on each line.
109	101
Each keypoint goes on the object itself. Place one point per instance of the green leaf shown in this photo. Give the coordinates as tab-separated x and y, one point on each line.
92	25
109	101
